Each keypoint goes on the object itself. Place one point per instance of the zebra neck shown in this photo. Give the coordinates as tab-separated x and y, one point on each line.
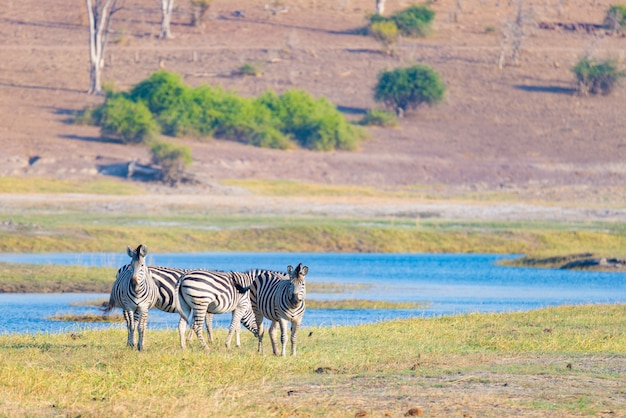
293	301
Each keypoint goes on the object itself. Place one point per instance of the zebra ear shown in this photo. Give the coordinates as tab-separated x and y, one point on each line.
130	252
289	269
304	270
143	250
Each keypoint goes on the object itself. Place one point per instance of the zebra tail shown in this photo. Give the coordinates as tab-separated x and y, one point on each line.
179	303
106	309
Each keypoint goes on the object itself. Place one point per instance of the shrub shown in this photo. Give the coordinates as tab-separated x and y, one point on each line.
385	32
314	124
616	17
597	77
413	21
130	121
171	158
405	88
271	120
253	70
161	91
375	117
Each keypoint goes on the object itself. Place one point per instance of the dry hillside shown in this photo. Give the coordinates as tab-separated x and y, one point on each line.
519	129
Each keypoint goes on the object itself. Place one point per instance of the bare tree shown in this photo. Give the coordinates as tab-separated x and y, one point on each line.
166	17
380	7
100	12
515	31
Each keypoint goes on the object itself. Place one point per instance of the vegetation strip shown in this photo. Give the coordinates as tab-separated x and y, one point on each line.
345	304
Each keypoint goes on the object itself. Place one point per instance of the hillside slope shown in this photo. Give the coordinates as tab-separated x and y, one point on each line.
520	129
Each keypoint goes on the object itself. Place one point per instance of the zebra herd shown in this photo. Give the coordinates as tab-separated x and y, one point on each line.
198	294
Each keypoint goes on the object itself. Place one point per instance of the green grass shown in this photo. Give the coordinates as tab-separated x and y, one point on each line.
313	235
294	188
50	278
567	359
47	185
82	226
352	304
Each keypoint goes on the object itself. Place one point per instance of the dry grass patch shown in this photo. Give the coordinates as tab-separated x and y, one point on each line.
567	361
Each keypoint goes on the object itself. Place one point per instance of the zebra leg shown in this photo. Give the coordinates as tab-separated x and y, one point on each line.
234	325
295	326
182	327
191	329
184	312
199	317
143	319
273	331
209	326
259	322
130	326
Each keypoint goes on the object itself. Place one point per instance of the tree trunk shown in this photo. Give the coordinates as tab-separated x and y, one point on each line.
380	7
166	17
99	12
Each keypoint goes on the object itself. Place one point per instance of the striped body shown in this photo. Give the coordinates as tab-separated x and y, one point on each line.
203	292
166	279
279	298
135	292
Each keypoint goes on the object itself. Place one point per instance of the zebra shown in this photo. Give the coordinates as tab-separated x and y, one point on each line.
279	298
135	292
166	279
203	292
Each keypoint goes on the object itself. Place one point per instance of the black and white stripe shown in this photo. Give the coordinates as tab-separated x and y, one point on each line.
135	292
279	298
203	292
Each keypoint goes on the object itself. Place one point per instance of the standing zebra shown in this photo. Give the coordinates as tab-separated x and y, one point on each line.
203	292
279	299
135	292
166	278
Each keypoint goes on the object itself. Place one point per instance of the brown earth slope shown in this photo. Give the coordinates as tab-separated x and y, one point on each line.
520	129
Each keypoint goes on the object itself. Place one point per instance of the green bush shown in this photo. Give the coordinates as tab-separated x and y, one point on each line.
405	88
385	32
253	70
130	121
314	124
161	91
376	117
413	21
171	158
616	17
597	77
277	121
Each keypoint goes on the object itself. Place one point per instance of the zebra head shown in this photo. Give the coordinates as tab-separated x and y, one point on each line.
298	283
138	263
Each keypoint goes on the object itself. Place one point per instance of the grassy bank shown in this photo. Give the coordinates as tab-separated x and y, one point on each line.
192	233
566	361
95	216
51	278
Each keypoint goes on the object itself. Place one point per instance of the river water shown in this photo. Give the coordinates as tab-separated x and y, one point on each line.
446	283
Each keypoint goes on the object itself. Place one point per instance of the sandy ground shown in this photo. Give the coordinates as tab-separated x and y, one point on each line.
520	131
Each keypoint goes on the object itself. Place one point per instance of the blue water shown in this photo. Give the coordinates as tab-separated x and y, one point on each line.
446	283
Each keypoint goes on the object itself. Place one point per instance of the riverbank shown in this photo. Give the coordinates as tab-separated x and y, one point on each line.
94	223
